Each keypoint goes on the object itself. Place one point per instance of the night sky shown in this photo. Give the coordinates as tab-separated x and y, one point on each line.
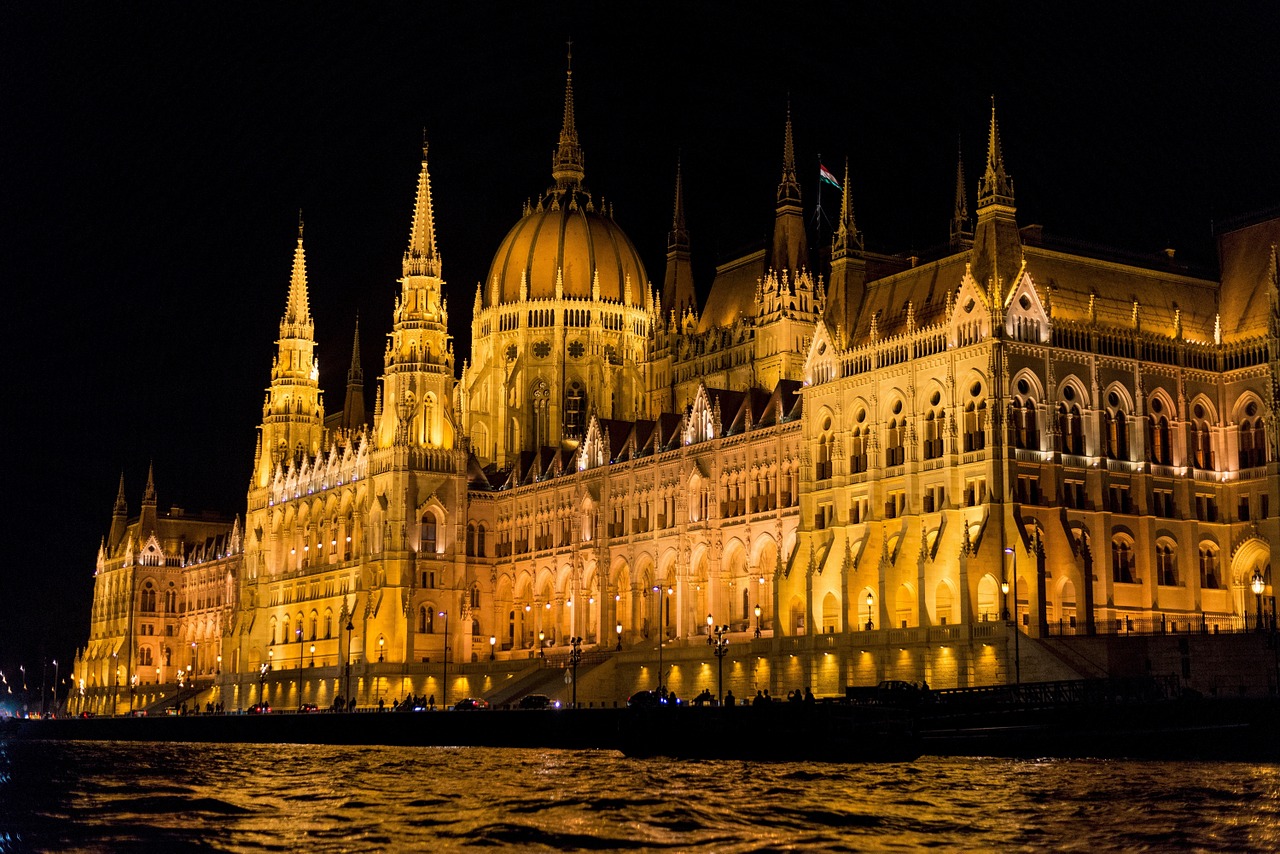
153	160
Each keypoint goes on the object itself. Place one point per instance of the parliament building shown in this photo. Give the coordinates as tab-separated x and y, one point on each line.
848	467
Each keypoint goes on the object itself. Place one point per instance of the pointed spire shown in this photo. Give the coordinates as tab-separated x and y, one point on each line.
421	259
996	187
122	506
788	187
679	235
566	163
353	414
961	228
298	309
149	494
790	243
677	286
847	237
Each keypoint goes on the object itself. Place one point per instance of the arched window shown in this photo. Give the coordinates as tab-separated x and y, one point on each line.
1199	439
935	422
1252	442
1122	565
144	656
425	620
857	455
273	631
541	395
975	434
471	539
148	597
429	532
1210	578
1166	563
893	451
575	411
1115	426
315	625
1070	427
328	625
171	600
480	540
1159	451
1026	434
475	596
822	464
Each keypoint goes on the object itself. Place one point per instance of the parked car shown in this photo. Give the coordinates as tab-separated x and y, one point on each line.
469	704
646	699
308	707
260	709
537	701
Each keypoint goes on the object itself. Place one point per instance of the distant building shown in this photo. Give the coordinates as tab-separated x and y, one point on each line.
843	470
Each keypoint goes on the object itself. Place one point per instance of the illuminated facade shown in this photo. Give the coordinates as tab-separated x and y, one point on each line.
843	472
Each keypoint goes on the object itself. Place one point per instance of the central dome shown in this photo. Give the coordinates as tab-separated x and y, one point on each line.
566	237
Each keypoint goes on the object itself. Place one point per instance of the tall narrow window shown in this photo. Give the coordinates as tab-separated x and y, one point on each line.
575	411
429	532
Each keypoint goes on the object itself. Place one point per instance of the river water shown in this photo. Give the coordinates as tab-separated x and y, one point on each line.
165	797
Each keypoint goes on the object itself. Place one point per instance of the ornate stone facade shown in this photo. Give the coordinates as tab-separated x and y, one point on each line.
843	472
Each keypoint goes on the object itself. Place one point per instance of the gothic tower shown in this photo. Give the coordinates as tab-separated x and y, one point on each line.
417	383
293	412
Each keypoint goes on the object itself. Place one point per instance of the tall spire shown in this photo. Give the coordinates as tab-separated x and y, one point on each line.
790	244
122	506
298	309
421	259
847	237
997	246
788	187
566	163
677	286
149	494
353	414
961	228
996	187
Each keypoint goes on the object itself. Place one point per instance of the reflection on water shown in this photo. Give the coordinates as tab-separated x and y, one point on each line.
97	796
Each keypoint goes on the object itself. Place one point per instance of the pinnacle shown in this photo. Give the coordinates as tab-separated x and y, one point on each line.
421	258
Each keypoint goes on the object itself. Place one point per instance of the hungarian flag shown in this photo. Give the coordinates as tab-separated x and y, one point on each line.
826	177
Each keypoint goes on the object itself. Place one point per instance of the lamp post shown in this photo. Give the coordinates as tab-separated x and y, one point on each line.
493	643
618	629
1257	584
444	680
661	630
192	668
271	665
575	656
542	640
133	685
1017	630
382	642
870	624
350	628
757	621
115	676
313	655
262	679
55	687
719	646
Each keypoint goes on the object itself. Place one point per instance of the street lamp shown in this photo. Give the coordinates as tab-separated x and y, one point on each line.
444	681
719	646
55	686
1017	630
313	655
350	628
133	685
1258	584
662	632
618	629
193	657
115	682
542	649
575	656
493	643
870	600
757	621
382	642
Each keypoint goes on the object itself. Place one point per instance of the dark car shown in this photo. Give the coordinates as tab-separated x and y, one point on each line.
469	704
260	709
646	700
308	707
537	701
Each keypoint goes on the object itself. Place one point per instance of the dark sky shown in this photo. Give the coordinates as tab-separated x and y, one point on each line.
153	159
